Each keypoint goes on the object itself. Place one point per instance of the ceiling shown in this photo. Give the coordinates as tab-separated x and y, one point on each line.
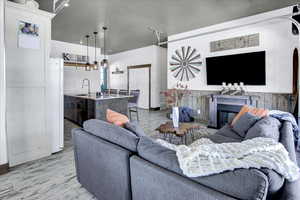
128	20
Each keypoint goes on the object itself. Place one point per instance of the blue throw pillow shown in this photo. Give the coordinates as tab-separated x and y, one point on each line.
268	127
244	123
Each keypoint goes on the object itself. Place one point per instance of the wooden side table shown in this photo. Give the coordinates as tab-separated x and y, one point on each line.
183	131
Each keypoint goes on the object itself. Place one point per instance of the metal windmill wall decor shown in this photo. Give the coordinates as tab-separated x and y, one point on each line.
185	63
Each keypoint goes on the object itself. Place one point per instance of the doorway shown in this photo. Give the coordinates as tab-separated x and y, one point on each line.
139	78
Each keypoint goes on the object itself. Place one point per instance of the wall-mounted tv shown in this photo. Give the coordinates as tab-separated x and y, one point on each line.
249	68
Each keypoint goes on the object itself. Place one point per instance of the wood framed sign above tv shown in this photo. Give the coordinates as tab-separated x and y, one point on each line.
248	68
252	40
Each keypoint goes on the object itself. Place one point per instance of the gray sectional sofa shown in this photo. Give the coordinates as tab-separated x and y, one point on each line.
114	163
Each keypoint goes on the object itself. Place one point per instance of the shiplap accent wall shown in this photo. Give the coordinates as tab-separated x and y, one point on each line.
200	100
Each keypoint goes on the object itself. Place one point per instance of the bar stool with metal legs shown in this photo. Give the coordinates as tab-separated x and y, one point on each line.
132	103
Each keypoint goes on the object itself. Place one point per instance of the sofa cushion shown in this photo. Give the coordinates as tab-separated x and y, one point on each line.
244	123
266	127
135	128
216	138
112	133
228	132
240	183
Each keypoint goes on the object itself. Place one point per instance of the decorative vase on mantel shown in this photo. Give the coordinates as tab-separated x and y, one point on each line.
175	116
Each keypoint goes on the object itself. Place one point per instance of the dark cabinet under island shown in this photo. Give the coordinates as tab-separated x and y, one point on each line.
79	108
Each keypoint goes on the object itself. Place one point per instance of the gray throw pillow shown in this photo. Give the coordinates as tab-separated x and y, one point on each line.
135	128
244	123
267	127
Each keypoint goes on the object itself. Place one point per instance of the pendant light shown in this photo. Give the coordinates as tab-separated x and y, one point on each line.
95	67
104	62
88	66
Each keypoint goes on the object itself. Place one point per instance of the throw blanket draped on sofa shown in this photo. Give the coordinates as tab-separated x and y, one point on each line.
203	157
285	116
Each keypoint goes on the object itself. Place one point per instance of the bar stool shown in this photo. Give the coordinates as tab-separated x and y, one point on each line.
133	103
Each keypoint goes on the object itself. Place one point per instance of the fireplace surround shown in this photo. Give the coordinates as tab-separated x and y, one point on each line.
223	108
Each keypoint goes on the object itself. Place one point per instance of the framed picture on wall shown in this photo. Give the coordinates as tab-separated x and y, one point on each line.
28	35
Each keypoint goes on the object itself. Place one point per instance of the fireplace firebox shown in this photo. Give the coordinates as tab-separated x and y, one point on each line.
223	108
226	113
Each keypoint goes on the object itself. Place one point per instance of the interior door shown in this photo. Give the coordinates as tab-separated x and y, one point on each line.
26	80
139	80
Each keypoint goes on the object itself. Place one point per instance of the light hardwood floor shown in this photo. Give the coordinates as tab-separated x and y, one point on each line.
54	177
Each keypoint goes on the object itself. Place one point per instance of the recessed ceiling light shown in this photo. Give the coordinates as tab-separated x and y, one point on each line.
67	4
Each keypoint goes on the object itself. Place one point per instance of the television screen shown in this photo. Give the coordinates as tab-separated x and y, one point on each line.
249	68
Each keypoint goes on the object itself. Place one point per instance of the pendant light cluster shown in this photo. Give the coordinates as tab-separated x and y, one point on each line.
104	62
88	65
95	65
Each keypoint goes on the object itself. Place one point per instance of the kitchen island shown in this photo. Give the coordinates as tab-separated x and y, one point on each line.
81	107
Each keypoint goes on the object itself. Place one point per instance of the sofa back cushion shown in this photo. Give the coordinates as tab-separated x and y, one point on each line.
157	154
112	133
244	123
267	127
228	132
135	128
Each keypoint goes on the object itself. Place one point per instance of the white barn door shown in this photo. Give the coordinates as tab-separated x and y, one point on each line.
139	79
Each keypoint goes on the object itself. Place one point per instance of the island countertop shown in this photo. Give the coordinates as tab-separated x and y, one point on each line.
95	98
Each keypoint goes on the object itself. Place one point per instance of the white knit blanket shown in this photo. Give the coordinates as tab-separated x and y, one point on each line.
203	157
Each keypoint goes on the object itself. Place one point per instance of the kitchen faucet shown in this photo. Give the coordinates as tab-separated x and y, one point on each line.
88	85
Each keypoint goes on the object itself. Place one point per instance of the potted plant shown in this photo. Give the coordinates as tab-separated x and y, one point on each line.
174	99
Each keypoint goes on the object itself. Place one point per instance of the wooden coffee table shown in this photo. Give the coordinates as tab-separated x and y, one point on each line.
185	129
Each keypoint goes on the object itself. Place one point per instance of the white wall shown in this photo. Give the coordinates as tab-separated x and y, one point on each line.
73	77
153	55
3	145
275	38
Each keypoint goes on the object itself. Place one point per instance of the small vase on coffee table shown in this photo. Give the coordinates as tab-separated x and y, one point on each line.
175	117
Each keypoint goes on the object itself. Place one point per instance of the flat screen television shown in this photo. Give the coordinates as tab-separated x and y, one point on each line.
249	68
